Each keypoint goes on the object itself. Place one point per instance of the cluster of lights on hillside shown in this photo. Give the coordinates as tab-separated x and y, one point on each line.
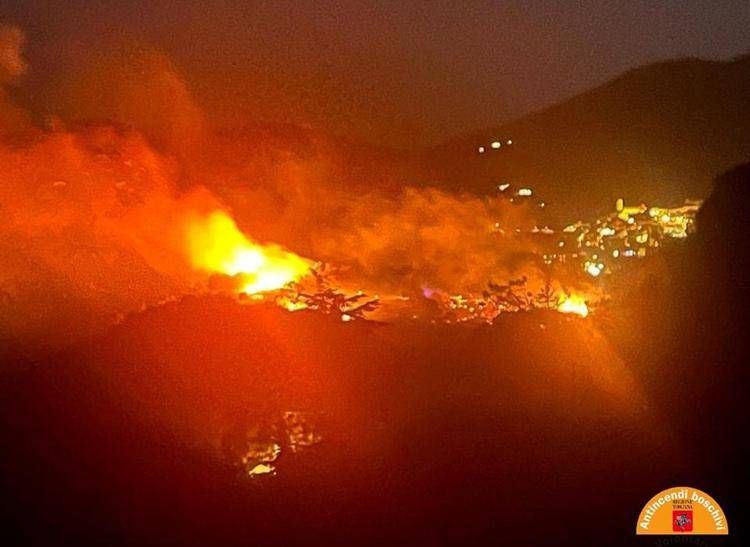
628	232
631	231
495	144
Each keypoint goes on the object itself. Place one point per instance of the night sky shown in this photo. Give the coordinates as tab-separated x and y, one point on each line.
399	73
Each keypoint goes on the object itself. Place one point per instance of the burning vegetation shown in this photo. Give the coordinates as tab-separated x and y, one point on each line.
216	245
112	214
230	327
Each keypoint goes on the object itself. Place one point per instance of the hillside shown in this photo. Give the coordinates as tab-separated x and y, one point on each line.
658	133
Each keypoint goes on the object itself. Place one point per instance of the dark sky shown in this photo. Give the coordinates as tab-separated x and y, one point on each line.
397	72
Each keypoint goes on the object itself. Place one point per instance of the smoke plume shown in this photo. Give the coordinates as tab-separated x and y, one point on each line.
93	208
12	66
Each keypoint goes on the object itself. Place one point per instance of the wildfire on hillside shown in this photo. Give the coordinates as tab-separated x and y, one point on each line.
271	273
216	245
573	304
113	218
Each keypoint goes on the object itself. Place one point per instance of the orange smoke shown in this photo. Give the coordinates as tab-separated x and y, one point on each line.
119	204
215	244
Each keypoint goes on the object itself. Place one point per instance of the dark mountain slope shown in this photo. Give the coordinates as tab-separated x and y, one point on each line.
657	134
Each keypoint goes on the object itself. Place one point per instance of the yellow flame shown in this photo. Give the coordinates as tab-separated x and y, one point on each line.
290	304
573	304
216	245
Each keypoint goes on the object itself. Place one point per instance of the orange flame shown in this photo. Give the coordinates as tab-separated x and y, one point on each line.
573	304
215	244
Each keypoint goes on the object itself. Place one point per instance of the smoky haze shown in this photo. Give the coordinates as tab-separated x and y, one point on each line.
404	74
95	207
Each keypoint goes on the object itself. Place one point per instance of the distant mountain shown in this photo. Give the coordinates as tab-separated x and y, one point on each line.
658	134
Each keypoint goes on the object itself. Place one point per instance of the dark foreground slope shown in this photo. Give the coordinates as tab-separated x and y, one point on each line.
430	434
539	430
659	133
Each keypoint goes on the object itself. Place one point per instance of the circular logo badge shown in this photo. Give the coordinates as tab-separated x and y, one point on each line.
682	510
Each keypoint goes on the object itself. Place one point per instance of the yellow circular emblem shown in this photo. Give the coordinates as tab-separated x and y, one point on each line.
682	510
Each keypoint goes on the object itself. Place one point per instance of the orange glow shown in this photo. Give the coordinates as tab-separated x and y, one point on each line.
215	244
573	304
290	304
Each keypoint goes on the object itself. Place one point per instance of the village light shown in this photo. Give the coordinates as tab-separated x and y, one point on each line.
593	269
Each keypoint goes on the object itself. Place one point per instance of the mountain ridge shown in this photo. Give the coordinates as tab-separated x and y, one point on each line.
656	133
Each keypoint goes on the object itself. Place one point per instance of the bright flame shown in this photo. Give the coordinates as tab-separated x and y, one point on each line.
216	245
573	304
